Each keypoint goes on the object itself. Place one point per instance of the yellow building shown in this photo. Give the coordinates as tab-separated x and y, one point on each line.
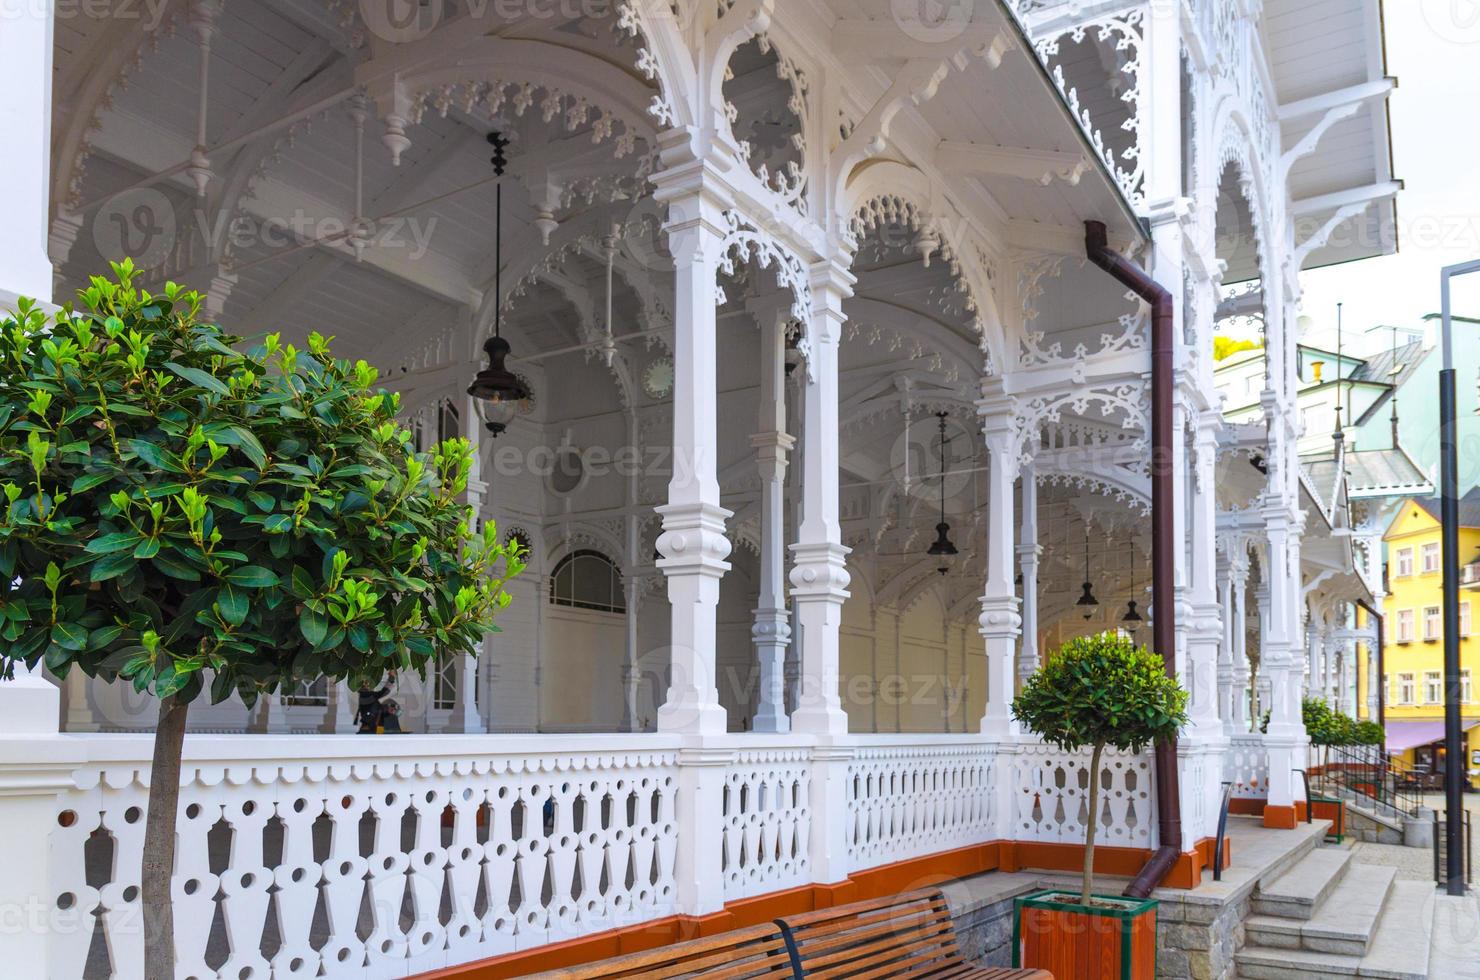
1414	633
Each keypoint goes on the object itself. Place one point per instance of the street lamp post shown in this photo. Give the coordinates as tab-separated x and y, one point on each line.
1454	749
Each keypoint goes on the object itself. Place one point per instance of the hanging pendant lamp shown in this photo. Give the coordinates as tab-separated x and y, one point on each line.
497	389
942	548
1132	617
1088	599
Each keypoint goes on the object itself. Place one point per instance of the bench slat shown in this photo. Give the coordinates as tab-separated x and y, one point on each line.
909	935
744	954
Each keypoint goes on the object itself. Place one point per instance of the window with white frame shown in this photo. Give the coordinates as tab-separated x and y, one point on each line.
1431	558
1464	686
1405	625
1464	619
1433	687
1404	562
1405	689
587	580
1431	625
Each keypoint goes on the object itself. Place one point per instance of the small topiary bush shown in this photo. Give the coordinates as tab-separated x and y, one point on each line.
1101	691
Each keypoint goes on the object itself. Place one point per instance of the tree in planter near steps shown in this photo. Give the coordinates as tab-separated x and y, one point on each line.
192	519
1101	691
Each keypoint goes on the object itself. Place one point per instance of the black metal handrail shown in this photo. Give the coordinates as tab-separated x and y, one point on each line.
1222	830
1309	808
1369	773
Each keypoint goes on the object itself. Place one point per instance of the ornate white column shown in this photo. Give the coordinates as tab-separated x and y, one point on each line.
1029	551
1226	692
339	715
465	717
631	593
819	576
25	166
1285	739
1260	683
1205	630
270	716
29	703
693	542
80	716
999	619
771	629
1238	563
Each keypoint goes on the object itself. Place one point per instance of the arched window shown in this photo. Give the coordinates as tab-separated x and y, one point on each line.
587	580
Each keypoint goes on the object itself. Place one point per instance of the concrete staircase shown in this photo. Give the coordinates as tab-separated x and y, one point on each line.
1329	917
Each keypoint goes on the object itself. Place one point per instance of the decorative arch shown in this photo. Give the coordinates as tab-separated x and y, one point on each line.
1235	145
880	191
575	83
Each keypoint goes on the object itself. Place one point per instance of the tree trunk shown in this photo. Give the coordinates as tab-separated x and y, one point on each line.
159	839
1092	824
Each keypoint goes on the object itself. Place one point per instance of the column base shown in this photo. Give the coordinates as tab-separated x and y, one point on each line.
692	718
29	705
820	721
770	722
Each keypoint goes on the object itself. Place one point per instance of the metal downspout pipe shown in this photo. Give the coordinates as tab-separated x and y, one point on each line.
1163	598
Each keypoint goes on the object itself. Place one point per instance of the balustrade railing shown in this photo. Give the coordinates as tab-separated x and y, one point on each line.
1247	767
1051	797
338	856
914	795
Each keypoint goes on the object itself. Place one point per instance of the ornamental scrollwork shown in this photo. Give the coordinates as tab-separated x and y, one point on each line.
1124	32
745	242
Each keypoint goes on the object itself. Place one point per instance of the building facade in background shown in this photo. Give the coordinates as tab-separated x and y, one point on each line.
1414	651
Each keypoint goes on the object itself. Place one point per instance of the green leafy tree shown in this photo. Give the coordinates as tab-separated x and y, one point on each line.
1370	733
1101	691
193	519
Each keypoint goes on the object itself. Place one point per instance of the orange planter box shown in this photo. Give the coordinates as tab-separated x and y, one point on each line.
1052	931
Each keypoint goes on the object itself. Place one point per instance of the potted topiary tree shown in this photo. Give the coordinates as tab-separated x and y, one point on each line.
1095	692
194	519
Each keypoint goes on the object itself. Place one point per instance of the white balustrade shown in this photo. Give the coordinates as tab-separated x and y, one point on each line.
911	795
1247	767
355	860
340	856
1051	790
767	820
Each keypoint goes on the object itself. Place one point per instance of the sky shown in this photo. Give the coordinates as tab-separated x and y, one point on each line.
1433	48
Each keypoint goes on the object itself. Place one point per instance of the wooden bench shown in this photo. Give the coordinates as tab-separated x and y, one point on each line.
743	954
903	935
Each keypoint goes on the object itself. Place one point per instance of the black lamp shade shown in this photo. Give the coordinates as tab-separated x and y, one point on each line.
942	545
1131	614
496	383
1088	598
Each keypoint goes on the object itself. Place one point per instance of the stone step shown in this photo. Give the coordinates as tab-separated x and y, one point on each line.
1299	892
1345	922
1400	948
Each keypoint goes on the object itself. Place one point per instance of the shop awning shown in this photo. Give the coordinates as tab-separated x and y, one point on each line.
1405	735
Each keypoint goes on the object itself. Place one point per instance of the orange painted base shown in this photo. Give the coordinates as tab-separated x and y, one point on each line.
891	879
1246	807
1124	862
1284	817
